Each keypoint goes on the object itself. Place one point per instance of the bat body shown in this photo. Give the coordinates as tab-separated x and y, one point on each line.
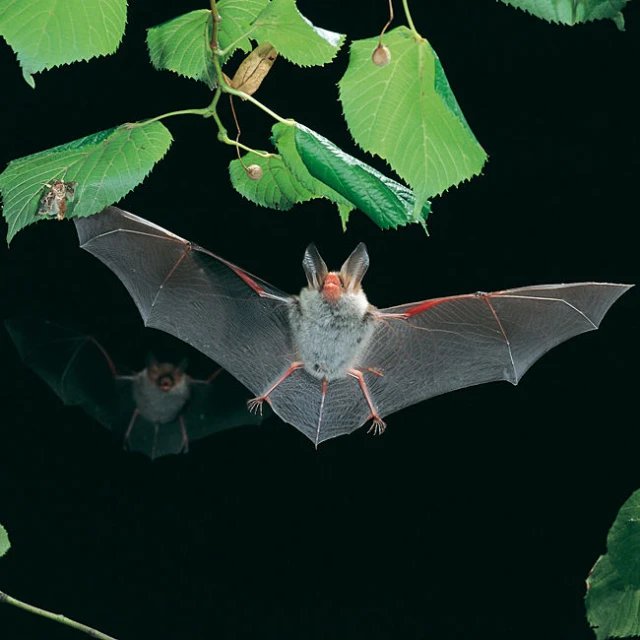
327	361
54	201
157	411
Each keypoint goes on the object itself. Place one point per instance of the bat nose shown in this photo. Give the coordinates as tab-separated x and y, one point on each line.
165	382
332	287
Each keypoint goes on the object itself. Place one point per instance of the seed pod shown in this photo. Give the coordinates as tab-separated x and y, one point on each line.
254	172
381	56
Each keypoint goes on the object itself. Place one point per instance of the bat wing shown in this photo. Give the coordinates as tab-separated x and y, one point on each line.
436	346
238	320
74	365
428	348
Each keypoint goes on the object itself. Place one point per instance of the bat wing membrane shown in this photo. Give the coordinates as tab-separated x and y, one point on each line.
433	347
236	319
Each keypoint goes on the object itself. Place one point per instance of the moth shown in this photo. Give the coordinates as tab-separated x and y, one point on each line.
327	361
54	201
157	411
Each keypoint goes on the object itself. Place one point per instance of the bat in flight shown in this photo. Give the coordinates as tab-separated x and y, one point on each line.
327	361
157	411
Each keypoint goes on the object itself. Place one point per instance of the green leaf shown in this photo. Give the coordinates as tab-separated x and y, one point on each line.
406	113
613	607
623	541
182	45
573	11
105	165
388	203
277	189
49	33
294	37
5	545
234	28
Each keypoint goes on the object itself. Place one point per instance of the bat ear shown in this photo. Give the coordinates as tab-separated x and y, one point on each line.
182	365
314	267
151	360
354	267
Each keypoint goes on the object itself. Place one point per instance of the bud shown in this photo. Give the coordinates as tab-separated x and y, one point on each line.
381	56
254	172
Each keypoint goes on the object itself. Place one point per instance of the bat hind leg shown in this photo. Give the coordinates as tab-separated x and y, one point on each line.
255	404
183	434
379	425
127	434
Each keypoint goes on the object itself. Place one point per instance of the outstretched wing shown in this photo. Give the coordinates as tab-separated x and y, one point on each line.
236	319
432	347
436	346
74	365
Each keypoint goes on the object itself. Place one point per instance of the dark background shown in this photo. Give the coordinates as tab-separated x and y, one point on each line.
478	513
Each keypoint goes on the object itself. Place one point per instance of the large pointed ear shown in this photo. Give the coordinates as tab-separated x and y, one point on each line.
314	267
354	267
151	360
182	365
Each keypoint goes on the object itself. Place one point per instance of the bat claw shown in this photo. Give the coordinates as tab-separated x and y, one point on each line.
255	405
377	427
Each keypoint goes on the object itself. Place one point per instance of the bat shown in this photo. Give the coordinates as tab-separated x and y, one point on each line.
327	361
54	201
157	411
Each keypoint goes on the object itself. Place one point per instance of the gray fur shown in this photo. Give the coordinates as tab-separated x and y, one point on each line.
156	405
330	336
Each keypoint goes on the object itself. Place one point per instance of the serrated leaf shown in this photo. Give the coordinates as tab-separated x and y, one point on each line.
572	12
277	189
5	545
106	165
182	45
388	203
613	607
234	28
406	113
49	33
295	37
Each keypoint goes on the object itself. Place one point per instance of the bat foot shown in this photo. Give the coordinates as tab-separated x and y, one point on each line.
255	405
378	426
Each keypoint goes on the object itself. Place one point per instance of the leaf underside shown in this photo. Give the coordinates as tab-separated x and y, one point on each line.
106	166
49	33
406	113
309	166
571	12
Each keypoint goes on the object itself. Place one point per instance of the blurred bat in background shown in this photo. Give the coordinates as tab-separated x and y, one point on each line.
157	411
327	361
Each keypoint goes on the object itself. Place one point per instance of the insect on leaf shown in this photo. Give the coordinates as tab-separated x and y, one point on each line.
406	113
49	33
105	165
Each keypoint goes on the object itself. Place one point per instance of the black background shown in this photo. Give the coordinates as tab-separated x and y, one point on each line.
478	513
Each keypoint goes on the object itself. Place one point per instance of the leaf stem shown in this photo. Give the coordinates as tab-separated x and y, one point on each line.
263	154
94	633
407	13
214	33
205	113
245	96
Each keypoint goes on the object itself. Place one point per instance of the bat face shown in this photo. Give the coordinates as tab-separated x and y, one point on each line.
327	361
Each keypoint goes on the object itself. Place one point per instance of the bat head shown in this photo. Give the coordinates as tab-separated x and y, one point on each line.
164	375
333	284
